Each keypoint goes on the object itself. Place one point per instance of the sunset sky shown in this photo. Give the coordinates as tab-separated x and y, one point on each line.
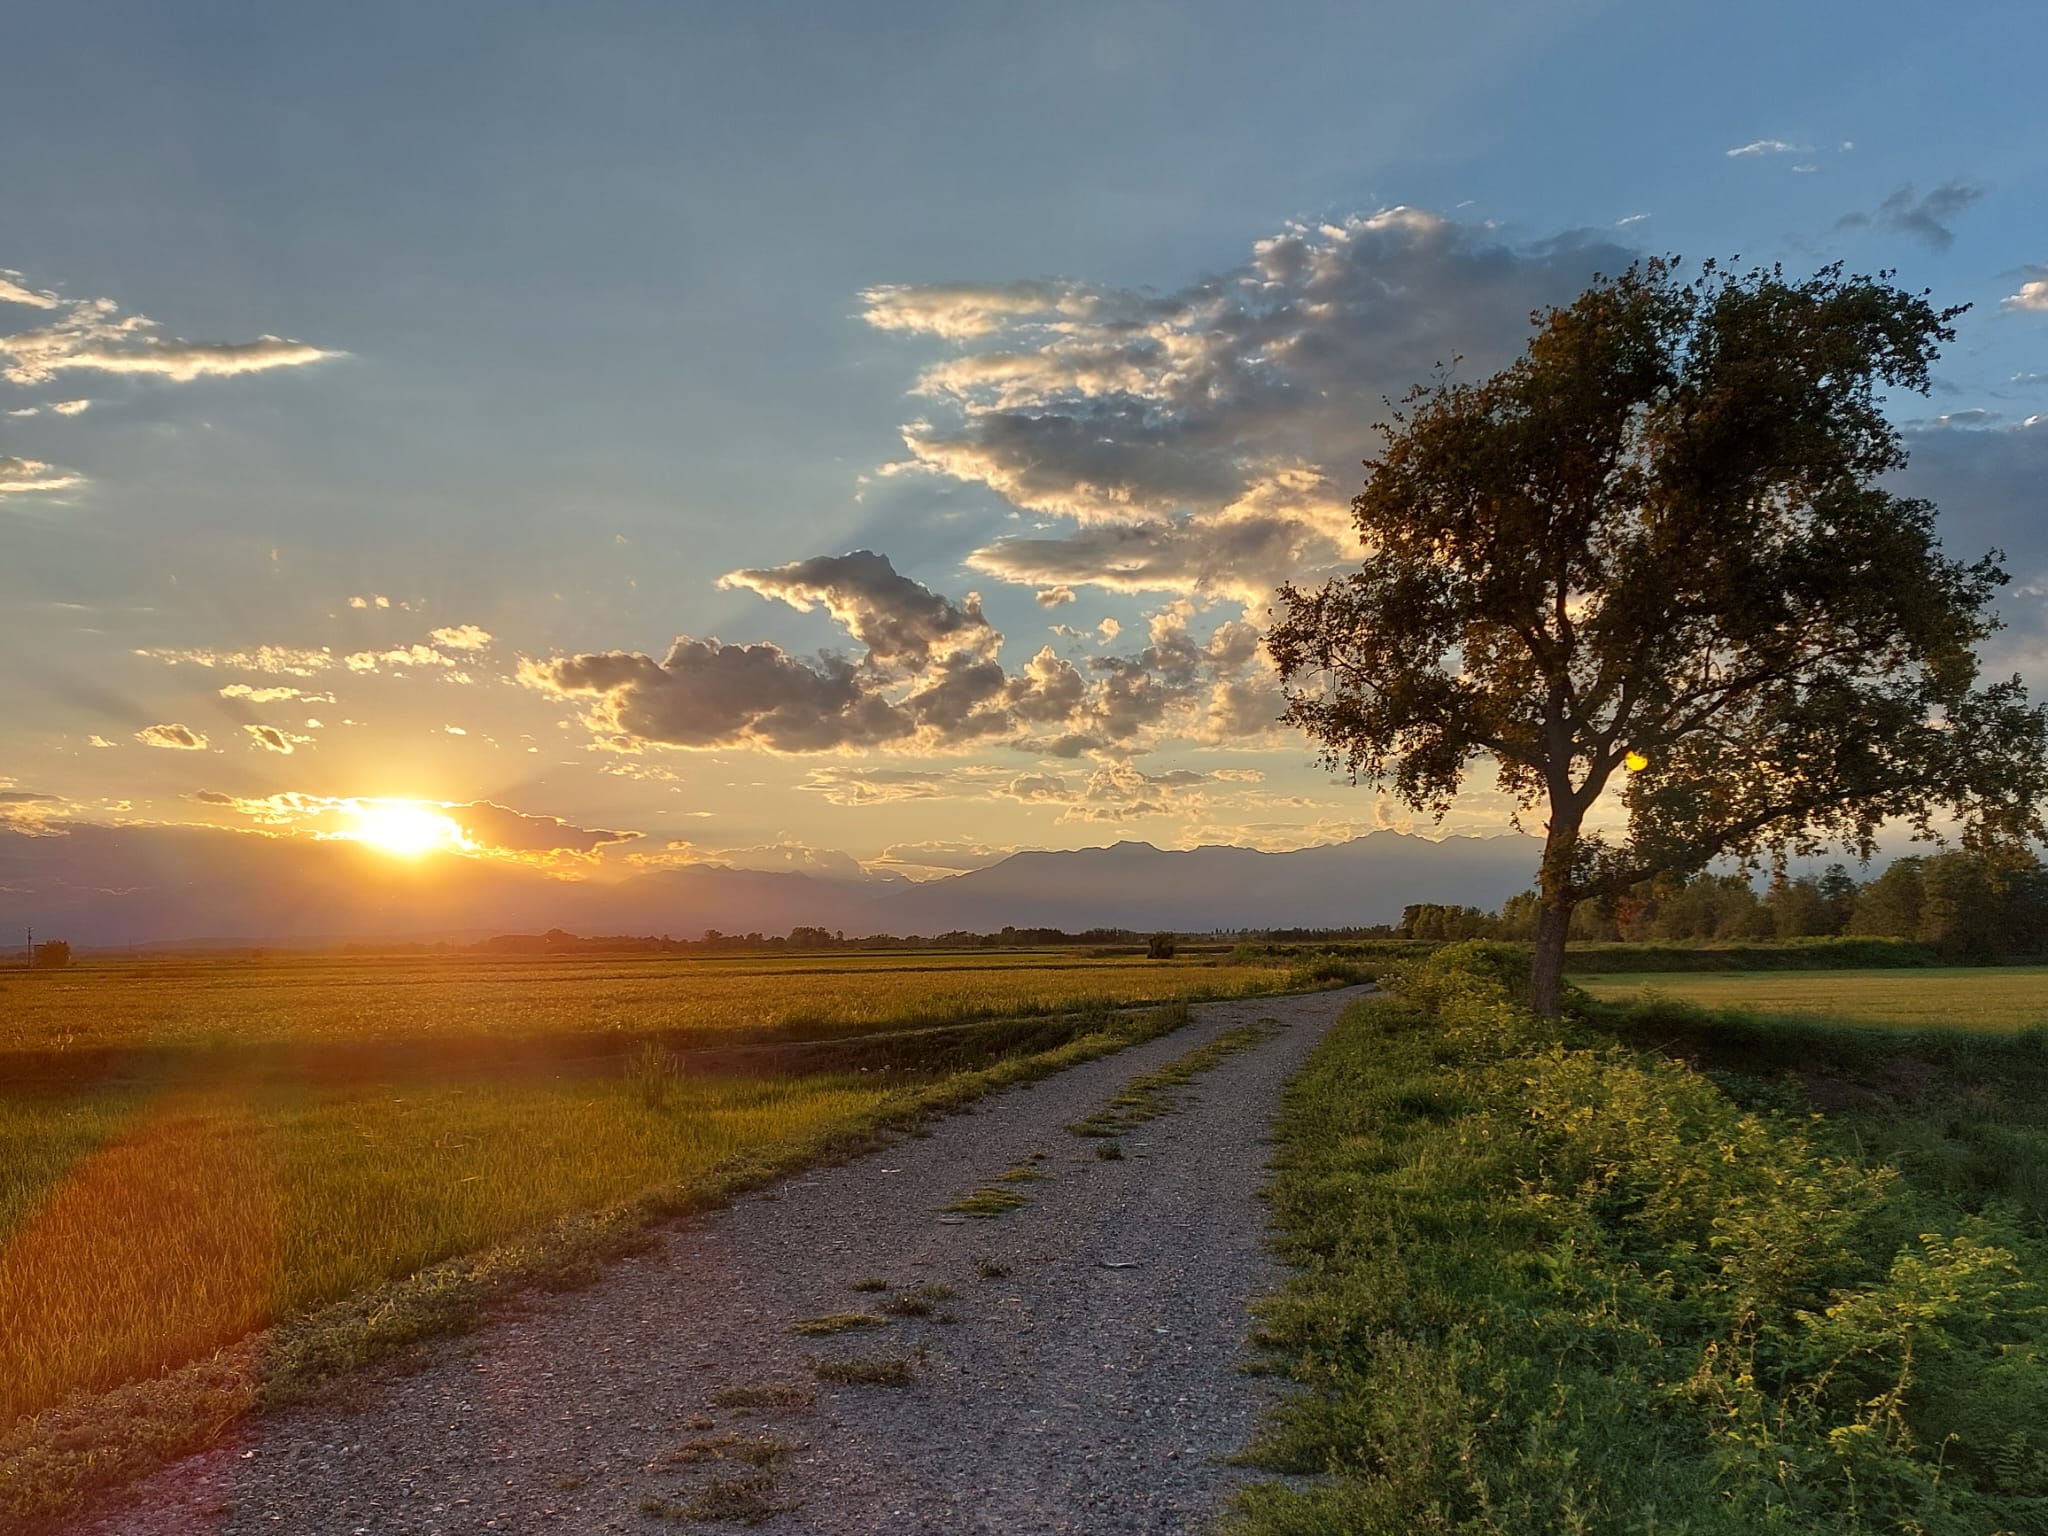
858	438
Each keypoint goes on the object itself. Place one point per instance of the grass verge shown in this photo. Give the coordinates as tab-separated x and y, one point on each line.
1150	1096
1572	1285
52	1461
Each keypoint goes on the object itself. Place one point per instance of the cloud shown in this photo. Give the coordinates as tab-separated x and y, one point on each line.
938	858
31	814
271	739
501	829
461	637
253	695
873	786
901	622
1988	484
1054	597
397	656
1768	147
1197	438
485	827
178	738
784	856
277	660
2033	295
71	407
705	693
26	477
12	292
958	311
1926	219
93	336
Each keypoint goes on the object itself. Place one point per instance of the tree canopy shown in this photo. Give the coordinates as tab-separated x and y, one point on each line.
1657	551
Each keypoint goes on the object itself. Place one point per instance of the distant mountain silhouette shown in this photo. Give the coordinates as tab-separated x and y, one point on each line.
1135	885
99	885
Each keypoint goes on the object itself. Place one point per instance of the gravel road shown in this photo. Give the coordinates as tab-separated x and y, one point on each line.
1092	1388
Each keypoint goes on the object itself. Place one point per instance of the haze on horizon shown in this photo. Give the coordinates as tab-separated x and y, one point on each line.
632	440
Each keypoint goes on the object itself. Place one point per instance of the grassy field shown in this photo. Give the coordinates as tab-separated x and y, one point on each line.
1997	999
1625	1278
311	1001
193	1150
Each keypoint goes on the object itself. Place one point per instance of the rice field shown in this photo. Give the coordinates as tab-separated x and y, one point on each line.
1992	1000
190	1151
307	1001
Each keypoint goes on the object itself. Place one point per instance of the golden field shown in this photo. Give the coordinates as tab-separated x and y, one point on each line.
193	1149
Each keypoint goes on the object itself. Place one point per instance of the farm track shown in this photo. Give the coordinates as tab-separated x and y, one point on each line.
1092	1387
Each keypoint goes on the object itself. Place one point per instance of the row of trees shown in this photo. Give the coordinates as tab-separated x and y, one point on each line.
1963	905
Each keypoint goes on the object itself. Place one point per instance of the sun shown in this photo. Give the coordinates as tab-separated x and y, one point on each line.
404	828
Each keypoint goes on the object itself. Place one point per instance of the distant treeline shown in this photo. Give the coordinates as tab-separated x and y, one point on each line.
558	942
1959	906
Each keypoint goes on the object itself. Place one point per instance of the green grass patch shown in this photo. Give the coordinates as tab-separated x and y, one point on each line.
836	1322
866	1371
986	1202
923	1301
1581	1285
746	1499
764	1397
749	1450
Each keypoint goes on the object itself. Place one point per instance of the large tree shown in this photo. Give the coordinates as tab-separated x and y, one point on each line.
1656	555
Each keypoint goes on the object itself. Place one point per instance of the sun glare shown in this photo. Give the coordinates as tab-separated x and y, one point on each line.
405	829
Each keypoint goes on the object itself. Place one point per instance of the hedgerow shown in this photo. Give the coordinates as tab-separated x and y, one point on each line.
1556	1285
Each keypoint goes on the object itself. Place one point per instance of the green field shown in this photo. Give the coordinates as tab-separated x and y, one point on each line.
194	1149
1991	999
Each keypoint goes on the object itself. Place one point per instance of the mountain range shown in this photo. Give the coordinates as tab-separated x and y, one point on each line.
110	886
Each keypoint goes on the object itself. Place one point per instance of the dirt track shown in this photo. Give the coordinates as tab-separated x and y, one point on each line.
1094	1388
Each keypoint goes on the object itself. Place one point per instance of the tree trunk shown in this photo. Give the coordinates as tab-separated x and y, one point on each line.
1553	919
1546	970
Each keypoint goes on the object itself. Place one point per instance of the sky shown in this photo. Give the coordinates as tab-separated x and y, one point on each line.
859	440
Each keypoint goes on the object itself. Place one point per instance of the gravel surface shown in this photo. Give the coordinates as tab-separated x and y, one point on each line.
1093	1388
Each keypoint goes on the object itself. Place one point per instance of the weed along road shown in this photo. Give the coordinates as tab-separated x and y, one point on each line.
1031	1319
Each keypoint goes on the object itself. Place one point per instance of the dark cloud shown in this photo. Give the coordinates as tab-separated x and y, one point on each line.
901	622
504	830
705	693
1924	218
1202	438
1991	486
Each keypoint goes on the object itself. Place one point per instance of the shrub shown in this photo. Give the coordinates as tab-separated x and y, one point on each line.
1159	947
